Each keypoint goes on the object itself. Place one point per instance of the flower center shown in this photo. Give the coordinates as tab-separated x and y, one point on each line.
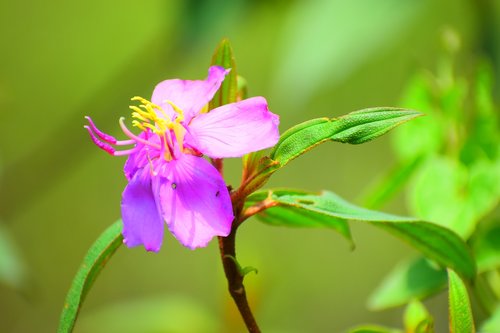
150	116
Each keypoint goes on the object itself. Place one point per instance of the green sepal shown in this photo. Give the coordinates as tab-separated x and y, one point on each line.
95	260
228	90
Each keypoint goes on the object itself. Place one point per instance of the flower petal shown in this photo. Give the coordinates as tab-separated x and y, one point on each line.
235	129
189	96
142	222
140	159
194	201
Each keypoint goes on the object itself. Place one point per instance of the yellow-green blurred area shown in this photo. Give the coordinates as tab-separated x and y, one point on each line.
62	60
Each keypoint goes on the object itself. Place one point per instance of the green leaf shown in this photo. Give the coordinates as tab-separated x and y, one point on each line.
292	216
417	319
354	128
492	325
95	260
412	279
228	90
373	329
438	243
459	305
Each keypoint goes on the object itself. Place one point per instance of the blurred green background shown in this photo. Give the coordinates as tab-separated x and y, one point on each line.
62	60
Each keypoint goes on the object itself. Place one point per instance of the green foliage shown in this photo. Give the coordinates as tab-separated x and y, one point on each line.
95	260
459	305
354	128
438	243
450	162
412	279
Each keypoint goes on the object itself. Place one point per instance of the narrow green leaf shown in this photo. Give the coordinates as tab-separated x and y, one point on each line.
354	128
436	242
224	57
95	260
461	319
412	279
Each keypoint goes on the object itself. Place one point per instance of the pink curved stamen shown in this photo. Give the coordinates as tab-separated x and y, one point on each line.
104	146
106	137
135	137
103	136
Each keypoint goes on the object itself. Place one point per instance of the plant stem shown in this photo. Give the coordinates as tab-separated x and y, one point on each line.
235	279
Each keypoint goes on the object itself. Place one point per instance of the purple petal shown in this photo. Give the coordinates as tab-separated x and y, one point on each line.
140	159
236	129
194	201
142	222
188	95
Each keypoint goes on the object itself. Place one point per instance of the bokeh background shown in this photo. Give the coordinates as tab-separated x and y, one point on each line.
62	60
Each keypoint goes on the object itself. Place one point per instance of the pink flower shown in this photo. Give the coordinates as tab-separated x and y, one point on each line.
169	180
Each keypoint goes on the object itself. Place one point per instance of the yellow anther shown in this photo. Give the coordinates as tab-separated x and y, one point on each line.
138	116
144	101
138	125
178	110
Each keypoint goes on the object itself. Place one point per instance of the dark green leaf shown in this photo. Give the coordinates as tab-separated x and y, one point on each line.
412	279
228	90
354	128
438	243
95	260
459	305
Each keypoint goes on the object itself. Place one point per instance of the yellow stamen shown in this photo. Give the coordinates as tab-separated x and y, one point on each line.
178	110
149	116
